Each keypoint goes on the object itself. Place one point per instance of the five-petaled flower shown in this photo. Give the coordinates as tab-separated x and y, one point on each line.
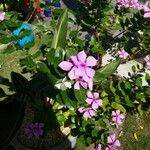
117	117
80	66
87	112
123	54
34	130
2	15
93	100
113	143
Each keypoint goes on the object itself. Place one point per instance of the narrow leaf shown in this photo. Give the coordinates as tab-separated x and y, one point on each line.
59	39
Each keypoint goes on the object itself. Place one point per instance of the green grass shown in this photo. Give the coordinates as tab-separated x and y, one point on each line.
10	62
136	134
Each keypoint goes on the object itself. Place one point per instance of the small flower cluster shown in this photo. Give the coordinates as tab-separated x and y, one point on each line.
34	130
94	102
2	15
147	60
112	143
79	68
123	54
136	5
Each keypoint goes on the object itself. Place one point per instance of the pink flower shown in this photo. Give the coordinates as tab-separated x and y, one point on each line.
112	141
93	100
111	148
117	117
2	16
127	3
87	112
98	147
81	83
147	60
123	54
79	66
146	12
34	130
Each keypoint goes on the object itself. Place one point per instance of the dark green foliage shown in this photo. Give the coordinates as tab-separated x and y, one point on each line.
11	115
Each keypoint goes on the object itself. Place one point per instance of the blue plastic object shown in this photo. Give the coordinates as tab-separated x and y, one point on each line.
57	5
48	13
25	39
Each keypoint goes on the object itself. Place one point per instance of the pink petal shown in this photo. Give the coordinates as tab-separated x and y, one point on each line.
81	109
90	84
114	119
146	8
96	95
89	101
117	112
77	85
65	65
113	113
83	84
111	138
95	105
89	94
91	61
92	112
122	116
86	78
80	72
147	58
98	147
147	15
2	16
71	74
119	121
99	102
86	115
75	60
117	143
81	56
90	72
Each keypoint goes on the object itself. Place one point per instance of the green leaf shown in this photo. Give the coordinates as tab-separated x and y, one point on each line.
113	90
138	82
94	133
141	97
118	106
43	68
139	108
147	78
106	71
59	39
80	96
89	140
66	99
